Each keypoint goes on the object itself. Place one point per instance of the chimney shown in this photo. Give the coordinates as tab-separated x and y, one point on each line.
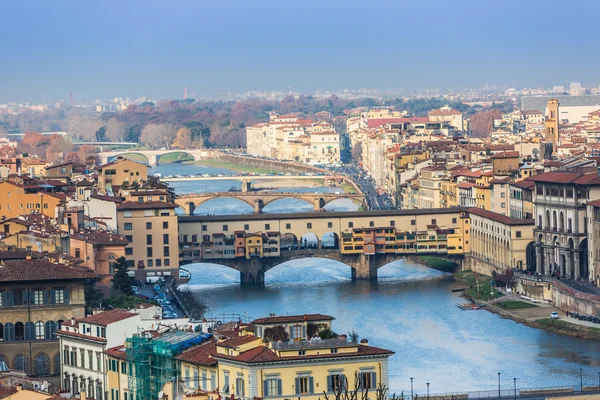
364	342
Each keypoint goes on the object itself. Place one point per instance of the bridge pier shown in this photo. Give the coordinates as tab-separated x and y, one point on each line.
364	267
319	203
258	206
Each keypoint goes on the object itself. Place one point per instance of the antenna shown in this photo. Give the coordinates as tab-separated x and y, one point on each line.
71	94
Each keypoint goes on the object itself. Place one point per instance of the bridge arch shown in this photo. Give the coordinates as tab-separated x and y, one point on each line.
178	156
309	240
324	203
190	206
288	242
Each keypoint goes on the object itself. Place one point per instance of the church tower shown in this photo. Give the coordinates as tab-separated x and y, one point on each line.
552	122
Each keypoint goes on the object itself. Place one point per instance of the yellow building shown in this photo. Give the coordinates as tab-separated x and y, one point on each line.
17	199
121	172
149	224
281	370
448	193
198	368
499	243
116	373
298	327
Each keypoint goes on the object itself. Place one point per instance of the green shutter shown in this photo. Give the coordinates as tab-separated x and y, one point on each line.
279	387
373	380
66	296
265	388
297	385
311	385
52	296
329	383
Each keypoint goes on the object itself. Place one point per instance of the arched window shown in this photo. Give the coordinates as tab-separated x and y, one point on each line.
83	384
29	331
1	333
547	219
19	331
40	330
75	384
42	364
21	362
554	225
9	332
111	261
4	360
66	383
51	330
562	221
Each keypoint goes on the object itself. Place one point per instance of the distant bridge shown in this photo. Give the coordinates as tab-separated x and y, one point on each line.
252	178
154	155
258	200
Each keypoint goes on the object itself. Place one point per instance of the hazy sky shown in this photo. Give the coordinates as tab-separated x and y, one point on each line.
109	48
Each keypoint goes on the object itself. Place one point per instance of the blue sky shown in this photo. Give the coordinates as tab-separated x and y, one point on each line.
112	48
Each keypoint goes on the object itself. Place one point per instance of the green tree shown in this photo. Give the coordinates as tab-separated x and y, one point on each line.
93	297
121	281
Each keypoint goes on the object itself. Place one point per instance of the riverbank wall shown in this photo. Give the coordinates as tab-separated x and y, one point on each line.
560	295
484	267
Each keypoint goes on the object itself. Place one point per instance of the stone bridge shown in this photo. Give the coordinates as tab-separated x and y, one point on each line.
154	155
364	267
258	200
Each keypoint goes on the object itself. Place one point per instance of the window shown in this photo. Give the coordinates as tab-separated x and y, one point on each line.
127	214
225	382
502	195
350	224
309	225
129	238
166	251
371	223
123	367
413	222
128	226
225	228
194	239
272	387
267	226
128	251
158	262
304	385
38	297
149	252
502	205
288	226
239	386
334	351
40	330
166	238
19	331
149	213
453	220
77	253
167	262
366	380
149	239
336	383
518	234
150	263
165	224
204	228
246	227
90	359
392	223
330	224
433	221
148	225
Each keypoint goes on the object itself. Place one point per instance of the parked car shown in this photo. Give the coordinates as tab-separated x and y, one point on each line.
169	315
554	315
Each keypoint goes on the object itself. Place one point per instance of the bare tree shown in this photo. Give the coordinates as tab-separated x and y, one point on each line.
116	130
159	135
83	127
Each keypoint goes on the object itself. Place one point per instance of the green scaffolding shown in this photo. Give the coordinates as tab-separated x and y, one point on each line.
151	365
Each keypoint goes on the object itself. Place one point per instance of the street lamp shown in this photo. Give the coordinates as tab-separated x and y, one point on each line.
411	389
499	385
428	389
515	381
581	379
598	382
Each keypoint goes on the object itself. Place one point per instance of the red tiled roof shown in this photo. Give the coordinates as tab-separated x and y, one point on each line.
40	270
134	205
499	217
107	317
263	354
101	238
201	354
444	112
292	318
117	352
589	178
465	185
106	197
238	341
525	184
375	122
148	193
506	154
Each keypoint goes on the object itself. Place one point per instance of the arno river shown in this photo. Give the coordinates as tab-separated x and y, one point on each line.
409	310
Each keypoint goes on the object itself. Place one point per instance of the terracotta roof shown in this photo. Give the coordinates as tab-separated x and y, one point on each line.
134	205
525	184
118	160
147	193
292	318
107	317
101	238
465	185
40	270
117	352
375	122
499	217
506	154
238	341
201	354
18	254
106	197
590	178
263	354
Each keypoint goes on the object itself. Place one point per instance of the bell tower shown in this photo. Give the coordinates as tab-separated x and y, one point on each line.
551	123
